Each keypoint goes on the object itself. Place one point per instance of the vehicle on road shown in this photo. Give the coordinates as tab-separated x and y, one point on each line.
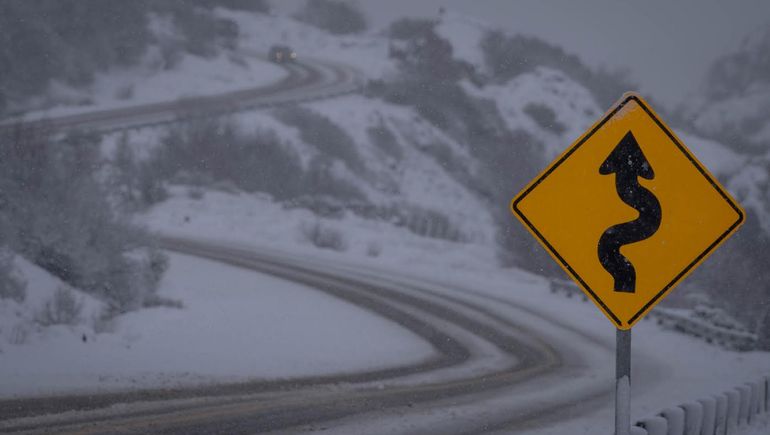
282	54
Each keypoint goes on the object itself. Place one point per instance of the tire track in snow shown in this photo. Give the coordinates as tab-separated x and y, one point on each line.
453	325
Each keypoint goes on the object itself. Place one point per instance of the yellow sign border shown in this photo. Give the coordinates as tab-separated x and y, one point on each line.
627	97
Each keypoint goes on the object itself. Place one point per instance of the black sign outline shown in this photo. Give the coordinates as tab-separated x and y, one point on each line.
690	157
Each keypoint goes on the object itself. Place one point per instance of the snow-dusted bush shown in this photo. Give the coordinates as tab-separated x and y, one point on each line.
214	153
83	37
64	308
373	249
215	150
736	277
196	29
78	38
329	138
12	285
322	178
429	81
334	16
261	6
384	139
324	237
507	56
421	53
19	334
56	214
335	146
137	183
545	117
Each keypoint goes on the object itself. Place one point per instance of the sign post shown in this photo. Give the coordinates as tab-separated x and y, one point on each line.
628	212
623	382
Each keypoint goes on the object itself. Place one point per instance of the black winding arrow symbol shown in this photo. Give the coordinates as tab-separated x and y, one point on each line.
627	162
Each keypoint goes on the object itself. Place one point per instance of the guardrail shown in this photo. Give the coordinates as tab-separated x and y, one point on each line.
728	413
677	321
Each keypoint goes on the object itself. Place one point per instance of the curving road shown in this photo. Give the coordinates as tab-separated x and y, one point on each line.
310	79
495	367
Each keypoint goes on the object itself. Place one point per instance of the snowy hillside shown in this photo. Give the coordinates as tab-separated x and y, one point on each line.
734	99
447	158
424	159
328	246
732	106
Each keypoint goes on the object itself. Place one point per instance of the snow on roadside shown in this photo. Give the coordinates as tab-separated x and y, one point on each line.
759	427
256	220
668	368
465	35
20	322
149	82
545	102
236	325
367	52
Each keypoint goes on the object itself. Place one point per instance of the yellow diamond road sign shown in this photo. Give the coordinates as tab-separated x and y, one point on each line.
628	211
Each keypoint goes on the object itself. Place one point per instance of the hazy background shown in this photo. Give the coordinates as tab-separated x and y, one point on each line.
665	46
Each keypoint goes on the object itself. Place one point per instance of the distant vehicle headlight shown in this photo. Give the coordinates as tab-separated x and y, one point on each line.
293	55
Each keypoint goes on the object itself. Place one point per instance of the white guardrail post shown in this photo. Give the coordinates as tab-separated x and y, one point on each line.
767	393
693	418
733	406
708	426
754	402
675	418
745	405
722	414
654	425
721	417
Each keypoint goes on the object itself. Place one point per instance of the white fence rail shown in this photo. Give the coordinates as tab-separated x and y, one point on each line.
728	413
675	320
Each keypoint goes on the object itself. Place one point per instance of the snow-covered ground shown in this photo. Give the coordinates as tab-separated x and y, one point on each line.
256	220
367	52
150	82
235	325
669	368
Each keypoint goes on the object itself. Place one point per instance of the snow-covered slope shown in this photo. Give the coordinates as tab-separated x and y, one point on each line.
732	106
734	100
427	173
27	321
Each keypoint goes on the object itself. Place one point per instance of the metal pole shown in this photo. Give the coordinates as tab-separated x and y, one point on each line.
623	382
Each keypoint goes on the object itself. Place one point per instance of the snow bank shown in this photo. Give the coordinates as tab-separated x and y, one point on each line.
236	325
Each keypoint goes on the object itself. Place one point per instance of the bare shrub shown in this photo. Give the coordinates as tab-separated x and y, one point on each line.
57	214
215	151
508	56
545	117
160	301
333	16
12	285
19	334
195	192
384	139
125	92
324	237
137	183
373	249
318	130
63	308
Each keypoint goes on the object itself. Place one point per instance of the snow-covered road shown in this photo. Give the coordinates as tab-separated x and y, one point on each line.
480	359
308	80
478	352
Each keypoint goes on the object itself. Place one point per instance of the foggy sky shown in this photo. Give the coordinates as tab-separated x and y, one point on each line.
666	45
